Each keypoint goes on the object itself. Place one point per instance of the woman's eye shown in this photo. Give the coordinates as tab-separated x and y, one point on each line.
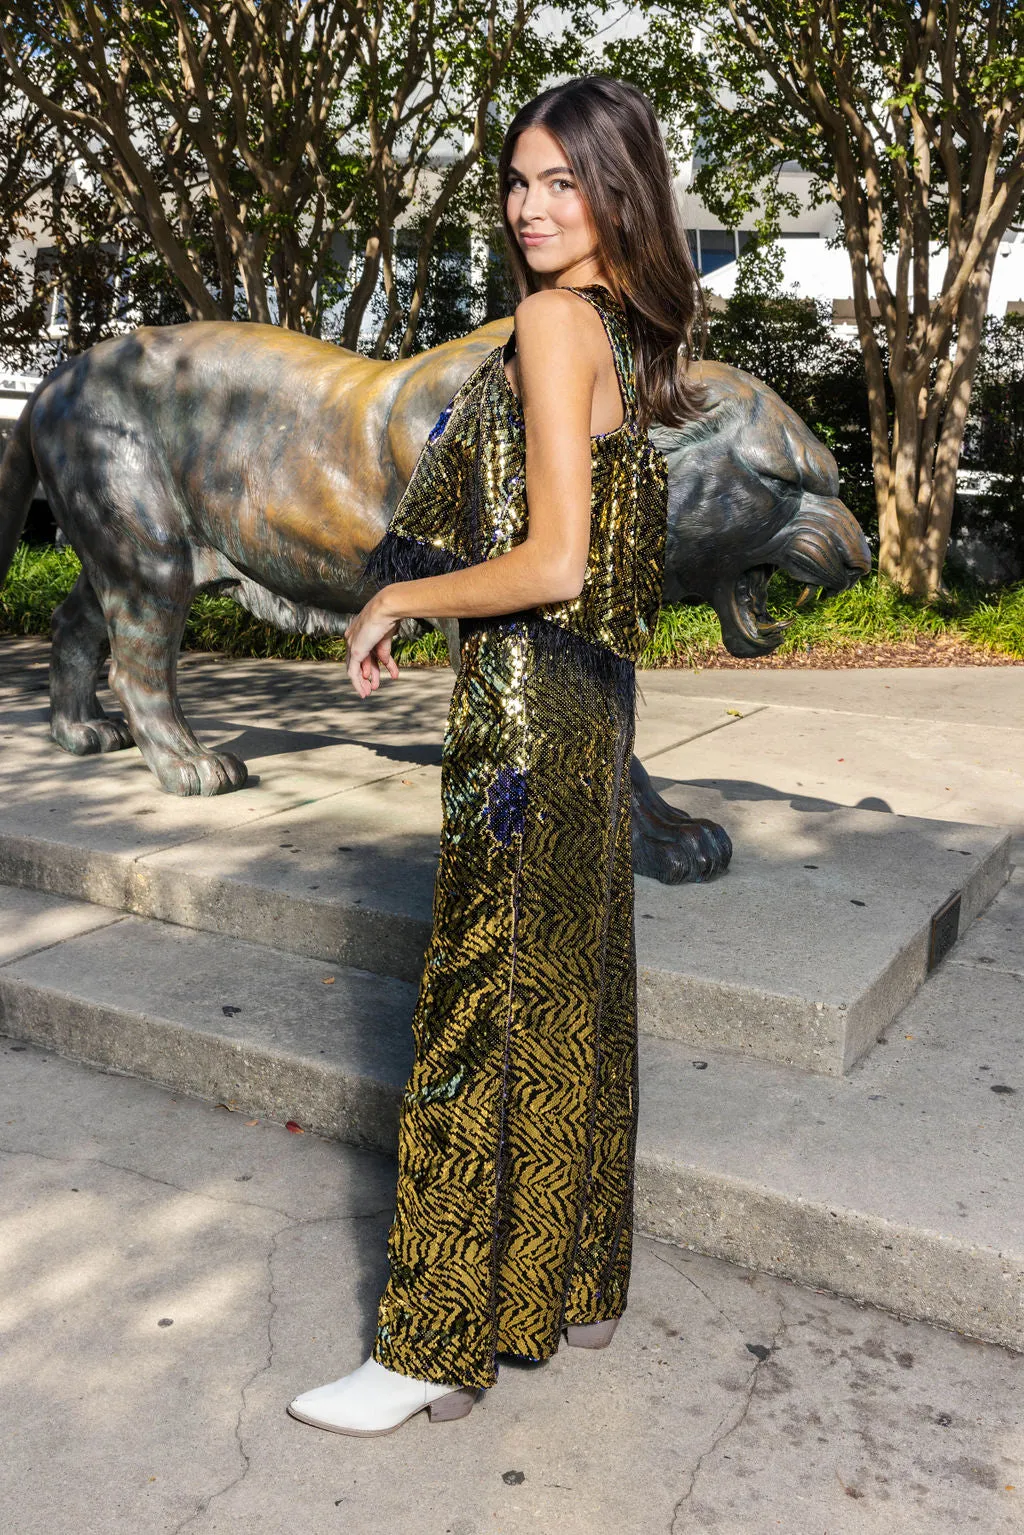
566	186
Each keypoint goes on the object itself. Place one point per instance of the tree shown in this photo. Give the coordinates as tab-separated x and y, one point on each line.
435	79
909	115
27	156
93	261
238	136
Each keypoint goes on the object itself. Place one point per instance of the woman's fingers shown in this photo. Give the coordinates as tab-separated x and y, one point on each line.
368	650
355	676
382	651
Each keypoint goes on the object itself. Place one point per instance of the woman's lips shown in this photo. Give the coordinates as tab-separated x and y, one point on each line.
534	239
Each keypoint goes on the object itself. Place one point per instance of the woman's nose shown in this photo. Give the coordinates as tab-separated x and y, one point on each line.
531	206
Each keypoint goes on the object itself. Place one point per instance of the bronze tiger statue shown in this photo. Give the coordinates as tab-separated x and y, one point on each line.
262	464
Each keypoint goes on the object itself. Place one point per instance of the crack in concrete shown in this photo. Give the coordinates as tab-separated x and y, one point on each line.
730	1423
203	1505
966	963
291	1223
707	731
180	1188
719	1310
100	925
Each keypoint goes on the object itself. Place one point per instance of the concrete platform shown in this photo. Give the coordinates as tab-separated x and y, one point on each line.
801	955
175	1274
897	1185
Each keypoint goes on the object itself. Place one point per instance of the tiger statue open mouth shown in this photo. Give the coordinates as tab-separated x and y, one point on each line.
752	491
262	464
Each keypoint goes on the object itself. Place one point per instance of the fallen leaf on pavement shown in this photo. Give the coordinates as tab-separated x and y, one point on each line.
294	1128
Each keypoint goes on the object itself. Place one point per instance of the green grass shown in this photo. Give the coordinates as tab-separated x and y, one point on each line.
872	612
38	580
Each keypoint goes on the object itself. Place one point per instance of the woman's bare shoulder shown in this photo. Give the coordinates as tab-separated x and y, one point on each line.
557	317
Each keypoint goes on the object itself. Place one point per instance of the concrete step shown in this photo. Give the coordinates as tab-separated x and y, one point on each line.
803	954
897	1184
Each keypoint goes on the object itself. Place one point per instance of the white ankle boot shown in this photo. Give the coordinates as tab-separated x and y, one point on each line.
375	1400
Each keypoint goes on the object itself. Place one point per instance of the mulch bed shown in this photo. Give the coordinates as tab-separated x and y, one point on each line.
930	650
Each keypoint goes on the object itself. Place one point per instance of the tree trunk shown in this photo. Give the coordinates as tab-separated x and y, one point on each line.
361	294
973	309
927	441
874	370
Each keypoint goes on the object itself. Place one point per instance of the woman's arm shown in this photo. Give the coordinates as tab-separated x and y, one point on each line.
558	345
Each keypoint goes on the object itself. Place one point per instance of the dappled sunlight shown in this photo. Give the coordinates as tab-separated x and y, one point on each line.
113	806
34	1238
210	1305
131	1279
153	1335
140	1321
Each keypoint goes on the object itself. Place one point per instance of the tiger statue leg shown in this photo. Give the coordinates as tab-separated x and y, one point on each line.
133	597
145	639
78	723
669	845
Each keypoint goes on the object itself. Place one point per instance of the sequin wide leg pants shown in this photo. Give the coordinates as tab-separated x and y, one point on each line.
518	1125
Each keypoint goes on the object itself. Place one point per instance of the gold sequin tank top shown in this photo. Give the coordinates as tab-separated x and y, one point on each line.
466	502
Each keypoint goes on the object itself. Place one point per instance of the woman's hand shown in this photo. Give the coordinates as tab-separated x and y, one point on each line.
368	640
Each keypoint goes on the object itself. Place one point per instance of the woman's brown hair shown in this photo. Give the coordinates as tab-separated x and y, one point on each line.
612	141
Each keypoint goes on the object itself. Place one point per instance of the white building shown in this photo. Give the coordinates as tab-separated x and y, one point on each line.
813	265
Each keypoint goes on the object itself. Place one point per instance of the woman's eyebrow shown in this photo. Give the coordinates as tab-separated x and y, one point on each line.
553	170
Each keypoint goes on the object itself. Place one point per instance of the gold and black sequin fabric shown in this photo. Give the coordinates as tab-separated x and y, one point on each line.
514	1213
466	501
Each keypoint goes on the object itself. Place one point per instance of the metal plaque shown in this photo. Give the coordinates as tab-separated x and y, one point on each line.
945	930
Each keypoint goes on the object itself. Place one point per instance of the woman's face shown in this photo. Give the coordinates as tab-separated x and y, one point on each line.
547	214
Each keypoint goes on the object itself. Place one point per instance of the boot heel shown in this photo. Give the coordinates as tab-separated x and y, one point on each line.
591	1334
457	1404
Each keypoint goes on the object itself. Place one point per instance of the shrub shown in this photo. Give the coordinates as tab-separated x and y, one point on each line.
872	612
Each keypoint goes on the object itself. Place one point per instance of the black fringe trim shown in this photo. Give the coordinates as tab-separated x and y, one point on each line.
398	558
554	643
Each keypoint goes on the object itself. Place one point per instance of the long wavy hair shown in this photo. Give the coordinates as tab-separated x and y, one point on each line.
611	139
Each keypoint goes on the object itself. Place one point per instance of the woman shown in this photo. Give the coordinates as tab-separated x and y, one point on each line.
517	1136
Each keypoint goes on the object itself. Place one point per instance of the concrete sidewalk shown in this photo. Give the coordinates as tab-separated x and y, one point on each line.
944	743
173	1274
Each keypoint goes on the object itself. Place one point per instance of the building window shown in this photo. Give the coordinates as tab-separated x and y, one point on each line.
717	248
91	281
714	248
